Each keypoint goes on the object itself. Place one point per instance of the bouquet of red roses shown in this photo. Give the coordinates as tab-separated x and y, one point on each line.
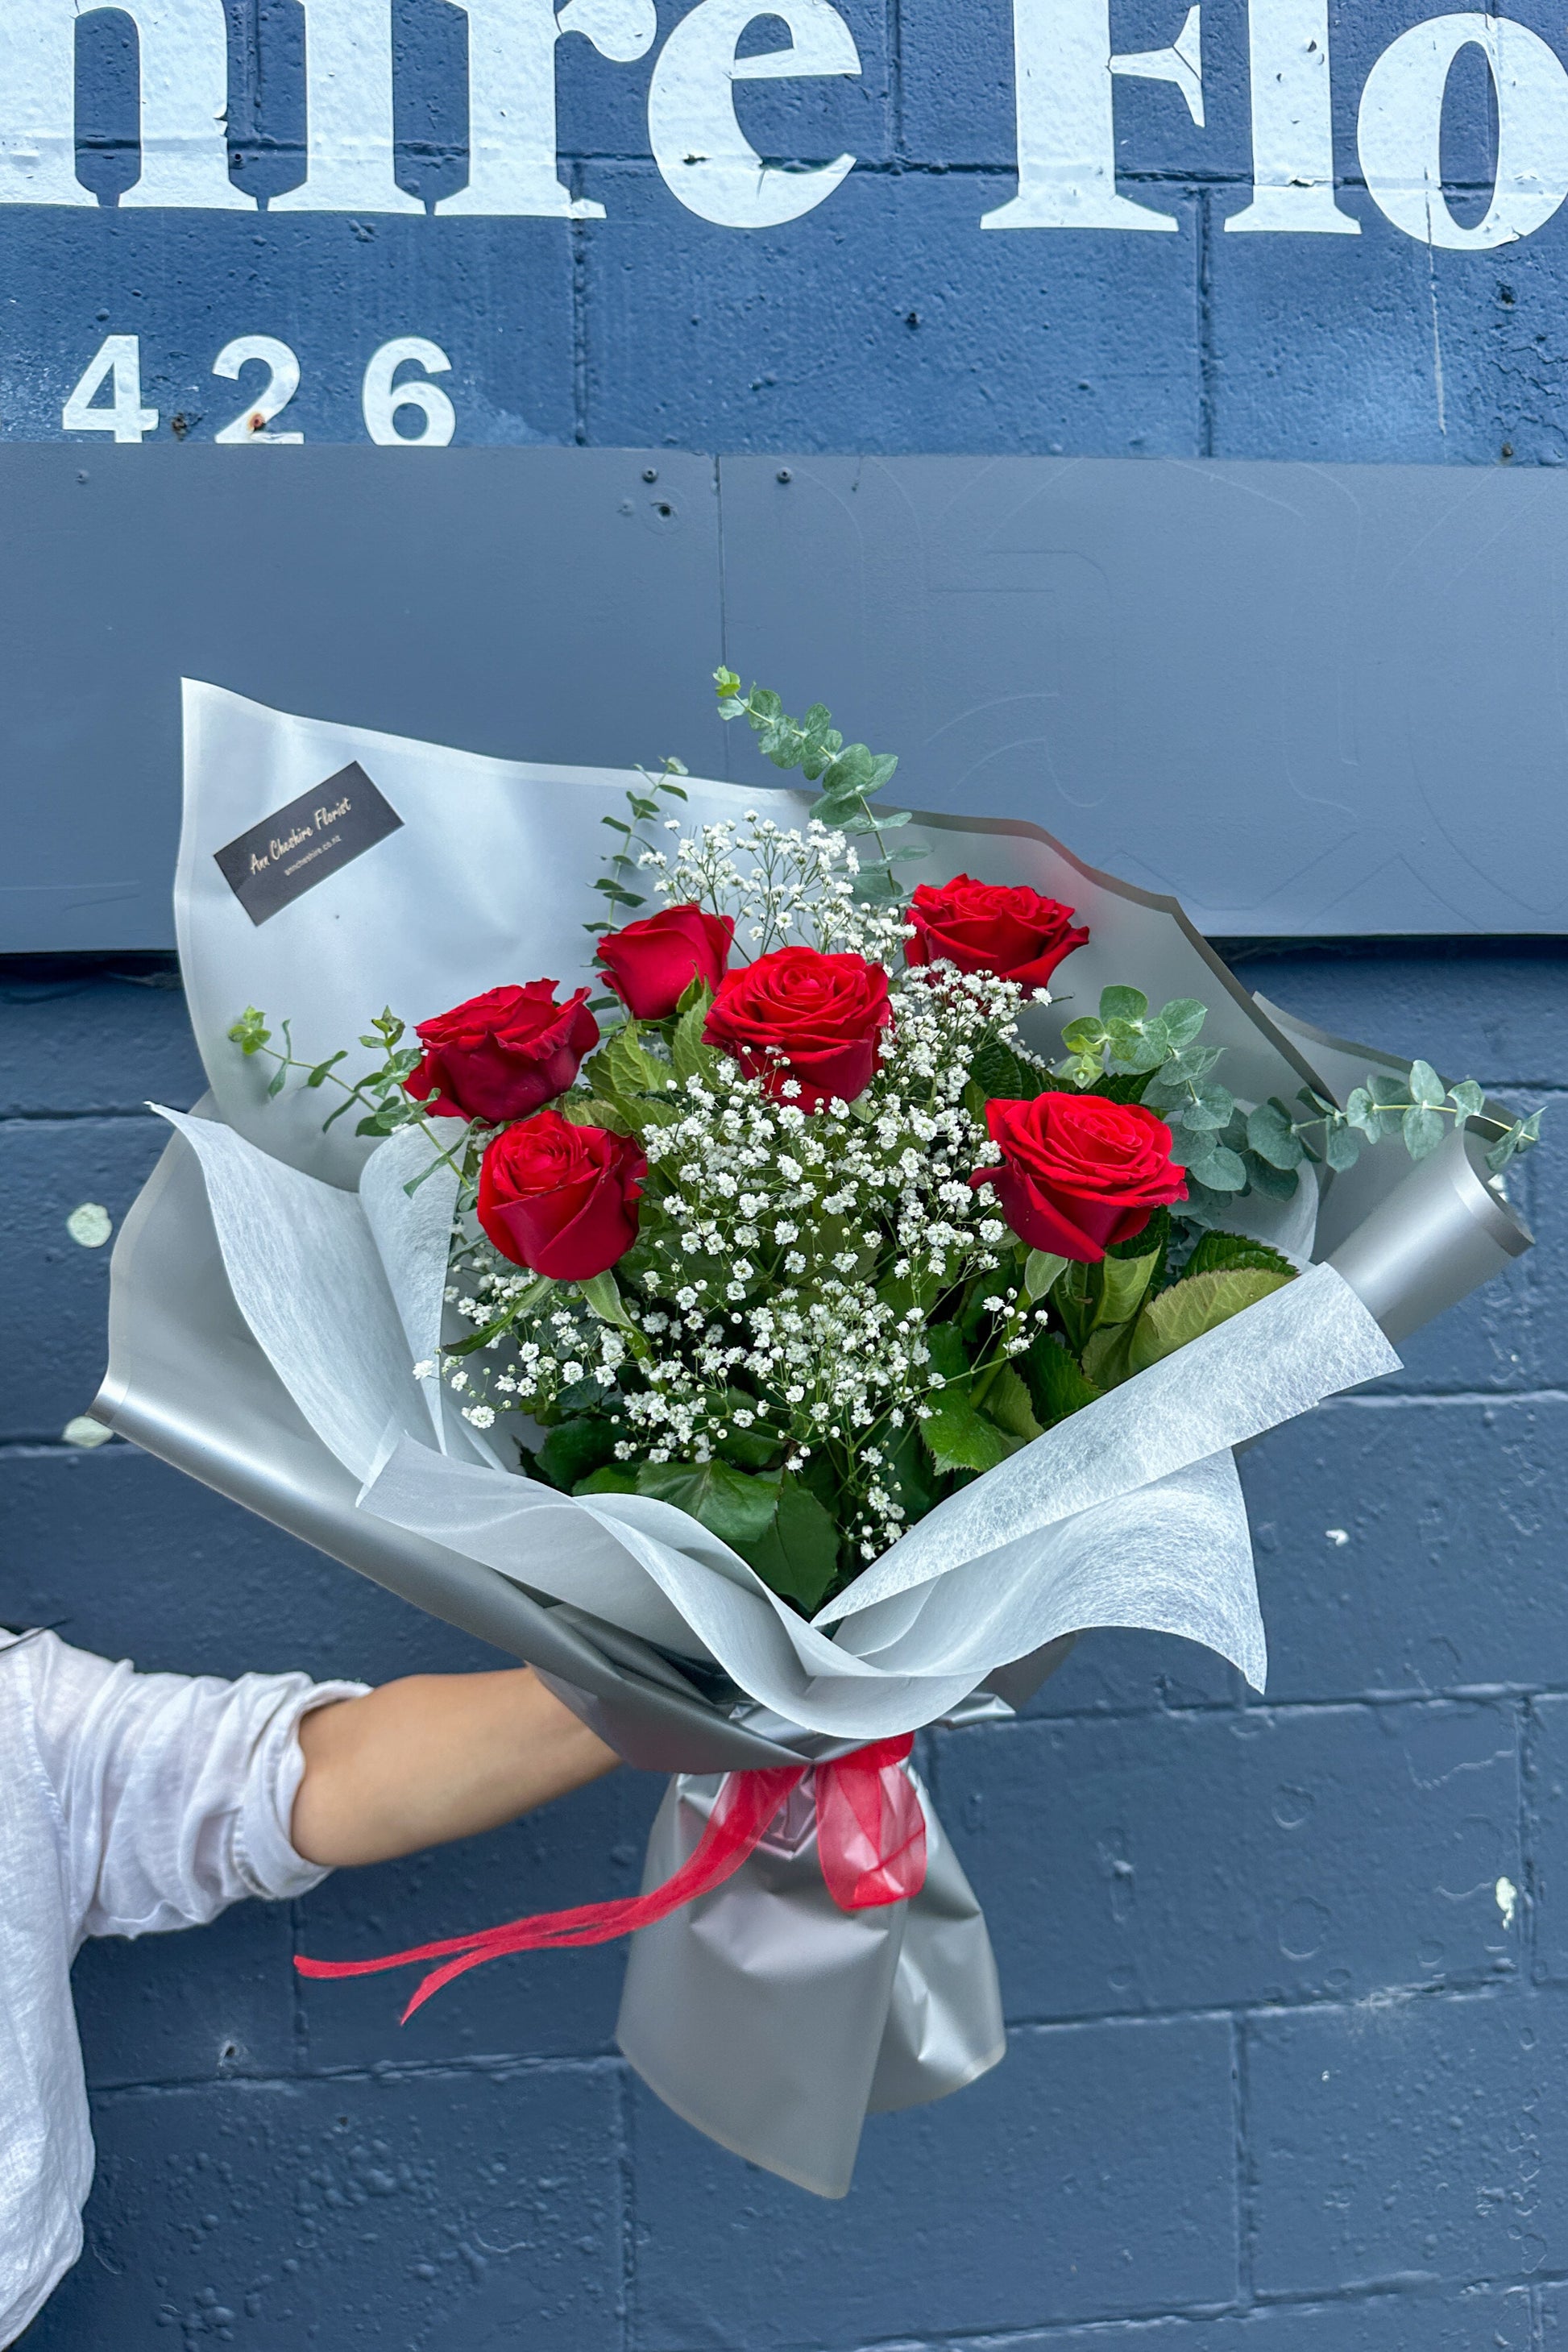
791	1330
803	1236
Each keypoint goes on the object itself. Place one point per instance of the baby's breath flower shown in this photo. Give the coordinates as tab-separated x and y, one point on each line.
797	1221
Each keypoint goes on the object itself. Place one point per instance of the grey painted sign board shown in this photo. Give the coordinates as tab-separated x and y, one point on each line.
1311	700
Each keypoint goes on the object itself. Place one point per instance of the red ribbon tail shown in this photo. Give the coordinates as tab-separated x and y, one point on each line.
870	1837
746	1805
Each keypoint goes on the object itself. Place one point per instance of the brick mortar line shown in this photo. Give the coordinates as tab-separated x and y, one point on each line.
626	2172
68	1117
176	2086
1438	2294
1499	1986
1487	1400
1240	2117
1002	163
1239	2015
1258	1710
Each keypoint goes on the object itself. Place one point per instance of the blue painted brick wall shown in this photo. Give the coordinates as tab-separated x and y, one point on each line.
1283	2078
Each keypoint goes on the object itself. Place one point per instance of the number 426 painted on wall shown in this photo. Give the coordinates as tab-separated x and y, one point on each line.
108	398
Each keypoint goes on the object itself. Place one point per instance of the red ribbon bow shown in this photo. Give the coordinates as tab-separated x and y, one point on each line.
870	1838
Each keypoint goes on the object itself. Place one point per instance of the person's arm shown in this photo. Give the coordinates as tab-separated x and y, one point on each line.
438	1757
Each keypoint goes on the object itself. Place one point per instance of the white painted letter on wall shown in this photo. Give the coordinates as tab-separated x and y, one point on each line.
511	97
1066	128
698	143
348	112
1400	131
1292	121
184	102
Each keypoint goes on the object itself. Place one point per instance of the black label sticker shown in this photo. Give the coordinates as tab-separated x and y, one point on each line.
298	846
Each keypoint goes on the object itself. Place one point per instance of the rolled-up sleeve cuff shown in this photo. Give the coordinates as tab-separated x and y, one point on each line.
263	1851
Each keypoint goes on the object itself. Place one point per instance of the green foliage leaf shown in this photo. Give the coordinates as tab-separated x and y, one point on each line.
1204	1110
999	1074
1468	1098
1054	1380
1084	1035
1182	1019
1521	1136
1199	1303
250	1032
753	1448
1423	1130
737	1506
1215	1166
626	1069
574	1448
948	1354
1122	1281
878	884
908	1474
1122	1005
1041	1268
958	1436
1220	1252
615	1478
1153	1240
1426	1087
797	1554
1270	1132
1107	1355
690	1058
1364	1114
592	1110
603	1296
1279	1183
1342	1146
1006	1402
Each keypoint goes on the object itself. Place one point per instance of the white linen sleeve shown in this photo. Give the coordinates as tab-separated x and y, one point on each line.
175	1791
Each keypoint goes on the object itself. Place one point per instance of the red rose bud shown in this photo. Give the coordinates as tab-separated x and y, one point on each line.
1079	1173
561	1200
501	1055
991	927
651	964
798	1013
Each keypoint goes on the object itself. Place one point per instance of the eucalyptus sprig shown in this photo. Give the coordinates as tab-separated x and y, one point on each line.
621	866
379	1092
849	773
1413	1109
1228	1151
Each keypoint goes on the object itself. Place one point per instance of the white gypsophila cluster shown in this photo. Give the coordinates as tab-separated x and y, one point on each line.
786	1268
785	888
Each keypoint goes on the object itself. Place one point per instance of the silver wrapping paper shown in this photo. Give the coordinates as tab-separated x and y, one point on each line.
776	2023
904	1999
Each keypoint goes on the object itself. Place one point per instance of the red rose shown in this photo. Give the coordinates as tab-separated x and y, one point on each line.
991	927
501	1055
561	1200
651	964
1079	1173
798	1013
